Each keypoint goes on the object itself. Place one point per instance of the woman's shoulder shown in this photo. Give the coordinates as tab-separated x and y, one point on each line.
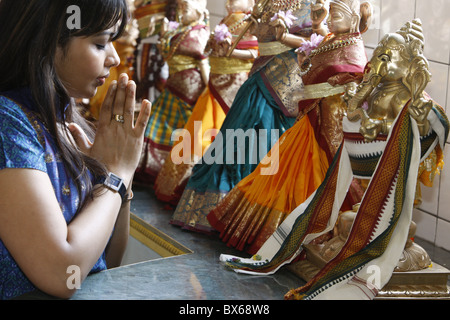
16	117
22	145
8	105
12	112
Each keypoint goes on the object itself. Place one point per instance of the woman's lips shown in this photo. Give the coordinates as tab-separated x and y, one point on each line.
101	80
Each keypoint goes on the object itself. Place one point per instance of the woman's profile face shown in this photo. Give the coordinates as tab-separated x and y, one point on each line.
84	64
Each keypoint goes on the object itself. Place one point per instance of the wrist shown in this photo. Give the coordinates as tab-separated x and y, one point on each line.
116	184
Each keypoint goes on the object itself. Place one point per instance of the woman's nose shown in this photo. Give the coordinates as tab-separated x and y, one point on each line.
113	59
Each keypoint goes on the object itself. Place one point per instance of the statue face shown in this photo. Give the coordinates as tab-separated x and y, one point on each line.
239	5
388	60
339	21
189	12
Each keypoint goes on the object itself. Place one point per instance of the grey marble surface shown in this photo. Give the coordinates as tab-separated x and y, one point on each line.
196	276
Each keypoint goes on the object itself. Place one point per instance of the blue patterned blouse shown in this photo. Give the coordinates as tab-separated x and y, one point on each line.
25	143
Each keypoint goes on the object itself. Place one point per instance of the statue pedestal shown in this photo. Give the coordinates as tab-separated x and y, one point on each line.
427	284
430	283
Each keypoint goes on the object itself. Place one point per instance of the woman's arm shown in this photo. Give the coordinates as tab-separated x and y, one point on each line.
119	240
32	225
35	232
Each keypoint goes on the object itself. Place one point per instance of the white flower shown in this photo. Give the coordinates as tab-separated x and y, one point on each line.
173	25
310	45
221	33
287	17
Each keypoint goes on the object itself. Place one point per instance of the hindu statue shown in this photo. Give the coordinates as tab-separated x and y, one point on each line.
182	44
392	128
150	68
319	252
260	202
264	108
227	75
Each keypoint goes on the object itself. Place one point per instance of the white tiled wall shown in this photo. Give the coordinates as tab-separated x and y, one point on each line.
433	216
217	11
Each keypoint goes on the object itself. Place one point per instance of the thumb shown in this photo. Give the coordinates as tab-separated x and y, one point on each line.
80	137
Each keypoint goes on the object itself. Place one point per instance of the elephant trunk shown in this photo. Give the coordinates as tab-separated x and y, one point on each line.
370	82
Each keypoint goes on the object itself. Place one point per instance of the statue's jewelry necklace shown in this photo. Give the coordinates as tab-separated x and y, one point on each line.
281	5
174	46
306	65
238	23
285	5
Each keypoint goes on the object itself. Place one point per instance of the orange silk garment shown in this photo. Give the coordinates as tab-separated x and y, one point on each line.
253	210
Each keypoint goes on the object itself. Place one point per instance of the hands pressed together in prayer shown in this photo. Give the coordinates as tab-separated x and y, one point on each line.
119	137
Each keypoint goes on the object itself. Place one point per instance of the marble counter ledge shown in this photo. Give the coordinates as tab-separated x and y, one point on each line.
193	276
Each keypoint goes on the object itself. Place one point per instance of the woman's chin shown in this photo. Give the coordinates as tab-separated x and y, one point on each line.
85	94
93	93
89	93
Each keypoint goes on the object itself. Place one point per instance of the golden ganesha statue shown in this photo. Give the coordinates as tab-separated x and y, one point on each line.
394	134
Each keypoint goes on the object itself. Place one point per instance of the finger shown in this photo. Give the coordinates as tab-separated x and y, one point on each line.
130	103
143	117
81	139
106	109
119	101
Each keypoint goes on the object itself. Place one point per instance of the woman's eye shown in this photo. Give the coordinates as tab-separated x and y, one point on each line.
100	46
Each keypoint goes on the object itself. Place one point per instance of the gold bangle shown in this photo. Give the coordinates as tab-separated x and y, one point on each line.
129	197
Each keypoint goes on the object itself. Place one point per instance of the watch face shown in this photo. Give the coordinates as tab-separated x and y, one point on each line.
113	181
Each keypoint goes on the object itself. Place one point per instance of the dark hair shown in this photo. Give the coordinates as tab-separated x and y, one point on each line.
30	32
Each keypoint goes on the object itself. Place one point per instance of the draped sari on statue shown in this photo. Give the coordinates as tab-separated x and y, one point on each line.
226	77
259	203
264	108
183	52
381	226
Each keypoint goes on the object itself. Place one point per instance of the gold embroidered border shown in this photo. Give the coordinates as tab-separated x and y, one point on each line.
181	62
272	48
224	65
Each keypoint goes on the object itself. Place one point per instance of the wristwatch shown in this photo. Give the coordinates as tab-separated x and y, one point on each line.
115	183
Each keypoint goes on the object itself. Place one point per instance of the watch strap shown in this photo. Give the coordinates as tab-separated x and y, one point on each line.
115	183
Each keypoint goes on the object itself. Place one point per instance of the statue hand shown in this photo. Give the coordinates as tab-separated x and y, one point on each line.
222	48
151	26
280	29
164	27
318	12
350	91
370	128
419	110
